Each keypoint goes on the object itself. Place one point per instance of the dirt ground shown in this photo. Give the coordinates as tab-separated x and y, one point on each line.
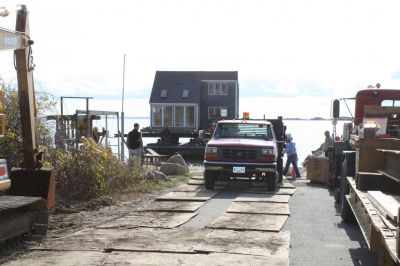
94	234
73	217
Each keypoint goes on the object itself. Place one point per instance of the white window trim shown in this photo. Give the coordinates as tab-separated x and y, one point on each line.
196	114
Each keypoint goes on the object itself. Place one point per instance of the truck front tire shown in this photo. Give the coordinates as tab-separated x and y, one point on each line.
209	179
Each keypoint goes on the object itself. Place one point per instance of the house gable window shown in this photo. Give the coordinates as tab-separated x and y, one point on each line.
185	94
218	88
163	93
217	111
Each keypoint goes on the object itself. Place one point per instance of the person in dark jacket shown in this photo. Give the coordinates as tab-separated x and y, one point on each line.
134	142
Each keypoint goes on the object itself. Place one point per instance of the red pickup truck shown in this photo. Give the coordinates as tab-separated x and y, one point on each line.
245	149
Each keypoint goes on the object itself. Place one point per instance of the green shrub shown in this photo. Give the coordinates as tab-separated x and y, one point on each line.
88	173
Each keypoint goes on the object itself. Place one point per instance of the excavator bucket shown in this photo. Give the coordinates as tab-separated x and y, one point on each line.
35	183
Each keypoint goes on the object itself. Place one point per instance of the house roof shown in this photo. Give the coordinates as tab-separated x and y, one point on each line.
174	82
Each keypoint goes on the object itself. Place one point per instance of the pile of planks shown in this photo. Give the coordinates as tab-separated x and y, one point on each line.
387	205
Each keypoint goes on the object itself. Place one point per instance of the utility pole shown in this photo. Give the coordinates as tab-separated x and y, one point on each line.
123	114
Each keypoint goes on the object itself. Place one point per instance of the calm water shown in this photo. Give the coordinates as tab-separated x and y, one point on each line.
307	134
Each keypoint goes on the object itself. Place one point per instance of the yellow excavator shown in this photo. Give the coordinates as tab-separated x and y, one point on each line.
27	192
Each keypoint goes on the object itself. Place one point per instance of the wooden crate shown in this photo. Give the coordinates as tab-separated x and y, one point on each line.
318	169
368	158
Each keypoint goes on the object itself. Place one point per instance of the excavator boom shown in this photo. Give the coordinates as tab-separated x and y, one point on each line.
24	210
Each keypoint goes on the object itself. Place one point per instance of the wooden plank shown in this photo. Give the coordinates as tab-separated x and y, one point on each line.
170	220
259	222
195	182
246	242
374	181
390	174
386	203
155	239
286	184
197	177
89	240
188	196
151	151
245	197
189	241
189	188
165	259
65	258
279	191
259	208
149	219
172	206
132	221
201	182
367	217
196	188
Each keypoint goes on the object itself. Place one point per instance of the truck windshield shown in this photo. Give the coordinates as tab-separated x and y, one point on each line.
243	130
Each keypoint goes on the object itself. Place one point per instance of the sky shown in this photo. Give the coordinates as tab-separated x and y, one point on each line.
293	57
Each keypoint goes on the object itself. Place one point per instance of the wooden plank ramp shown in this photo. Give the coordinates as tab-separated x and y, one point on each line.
150	219
245	242
185	246
196	188
259	208
197	177
167	259
279	191
283	184
246	197
252	222
188	196
172	206
201	182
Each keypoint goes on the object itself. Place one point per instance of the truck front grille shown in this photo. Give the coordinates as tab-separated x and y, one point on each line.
235	154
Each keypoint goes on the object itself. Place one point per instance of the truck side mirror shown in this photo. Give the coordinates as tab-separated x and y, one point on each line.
335	108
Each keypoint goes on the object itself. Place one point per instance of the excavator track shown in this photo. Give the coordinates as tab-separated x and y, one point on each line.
22	219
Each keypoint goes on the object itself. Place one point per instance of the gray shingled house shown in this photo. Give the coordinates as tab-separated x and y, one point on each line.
190	100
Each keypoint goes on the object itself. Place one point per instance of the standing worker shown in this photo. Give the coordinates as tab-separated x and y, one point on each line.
95	135
328	142
291	153
134	142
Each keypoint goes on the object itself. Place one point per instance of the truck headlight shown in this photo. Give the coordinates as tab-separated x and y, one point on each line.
267	152
211	150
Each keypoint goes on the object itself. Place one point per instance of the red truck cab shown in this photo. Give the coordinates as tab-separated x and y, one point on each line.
374	97
242	149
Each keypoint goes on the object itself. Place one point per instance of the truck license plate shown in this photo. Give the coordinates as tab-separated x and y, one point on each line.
239	170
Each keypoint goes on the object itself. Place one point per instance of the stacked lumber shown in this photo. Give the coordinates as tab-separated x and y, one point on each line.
386	204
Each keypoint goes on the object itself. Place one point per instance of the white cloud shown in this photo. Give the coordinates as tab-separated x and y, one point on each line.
291	107
337	46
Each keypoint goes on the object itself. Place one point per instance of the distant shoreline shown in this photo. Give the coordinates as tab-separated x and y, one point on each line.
290	119
321	119
137	117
